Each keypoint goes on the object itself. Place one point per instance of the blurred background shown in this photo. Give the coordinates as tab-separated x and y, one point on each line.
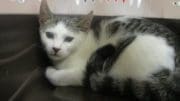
144	8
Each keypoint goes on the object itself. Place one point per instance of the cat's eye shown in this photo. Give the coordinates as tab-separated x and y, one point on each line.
68	39
50	35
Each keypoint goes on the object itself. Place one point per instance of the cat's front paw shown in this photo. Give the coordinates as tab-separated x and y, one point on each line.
50	70
51	75
61	77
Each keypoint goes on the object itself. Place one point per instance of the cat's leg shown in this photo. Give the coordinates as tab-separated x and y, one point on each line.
105	51
98	58
64	77
96	62
103	58
100	82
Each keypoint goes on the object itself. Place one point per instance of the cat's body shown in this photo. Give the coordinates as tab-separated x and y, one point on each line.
117	54
144	68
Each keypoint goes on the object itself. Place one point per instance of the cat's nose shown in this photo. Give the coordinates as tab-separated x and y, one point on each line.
56	49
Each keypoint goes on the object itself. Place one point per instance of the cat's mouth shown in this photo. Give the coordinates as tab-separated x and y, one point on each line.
54	54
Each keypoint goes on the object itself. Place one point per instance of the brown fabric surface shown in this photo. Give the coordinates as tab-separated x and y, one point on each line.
22	64
19	33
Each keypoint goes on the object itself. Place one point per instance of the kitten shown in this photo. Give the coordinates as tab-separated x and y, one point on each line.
130	56
68	43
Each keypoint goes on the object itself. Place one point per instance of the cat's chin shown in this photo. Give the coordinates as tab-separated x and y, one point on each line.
56	57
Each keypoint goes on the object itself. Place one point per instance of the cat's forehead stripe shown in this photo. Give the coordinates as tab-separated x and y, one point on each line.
60	29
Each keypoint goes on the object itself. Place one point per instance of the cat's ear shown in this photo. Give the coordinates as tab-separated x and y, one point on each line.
85	21
45	12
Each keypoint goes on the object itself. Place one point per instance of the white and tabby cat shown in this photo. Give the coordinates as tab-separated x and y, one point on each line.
129	56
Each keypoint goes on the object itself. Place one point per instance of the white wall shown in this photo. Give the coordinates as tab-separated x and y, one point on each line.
145	8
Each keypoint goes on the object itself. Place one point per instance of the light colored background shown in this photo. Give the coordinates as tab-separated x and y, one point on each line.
145	8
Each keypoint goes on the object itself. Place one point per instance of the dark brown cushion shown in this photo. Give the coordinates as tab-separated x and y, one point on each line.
21	60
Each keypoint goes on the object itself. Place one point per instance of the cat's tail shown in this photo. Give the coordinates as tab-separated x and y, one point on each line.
160	89
176	81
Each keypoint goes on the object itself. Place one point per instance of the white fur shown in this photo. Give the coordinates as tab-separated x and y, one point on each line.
146	55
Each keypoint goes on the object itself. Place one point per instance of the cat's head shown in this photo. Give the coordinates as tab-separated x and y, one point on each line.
62	34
